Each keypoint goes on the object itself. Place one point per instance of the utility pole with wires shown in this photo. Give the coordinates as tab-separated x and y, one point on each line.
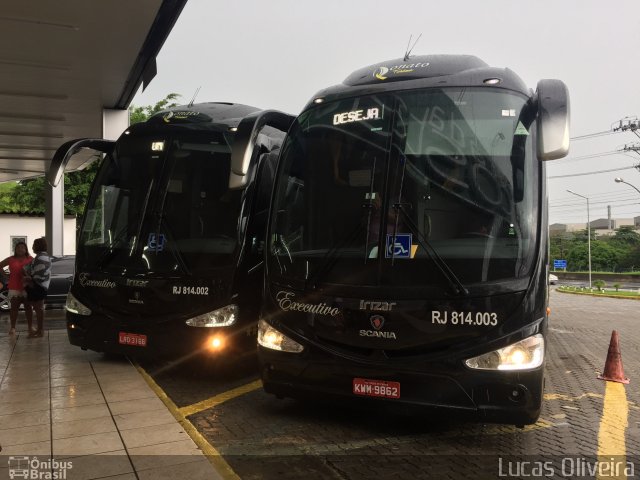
628	124
631	147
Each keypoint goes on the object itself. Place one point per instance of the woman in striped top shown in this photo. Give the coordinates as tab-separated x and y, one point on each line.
37	277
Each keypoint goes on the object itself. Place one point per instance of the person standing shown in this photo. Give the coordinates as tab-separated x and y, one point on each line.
17	294
37	278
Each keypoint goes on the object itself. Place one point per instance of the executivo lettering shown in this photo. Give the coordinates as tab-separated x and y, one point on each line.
286	303
86	282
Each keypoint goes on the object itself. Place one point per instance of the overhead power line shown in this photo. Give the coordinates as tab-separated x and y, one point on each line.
593	173
593	135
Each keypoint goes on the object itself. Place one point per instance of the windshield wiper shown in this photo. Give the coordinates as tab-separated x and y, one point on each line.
332	255
110	252
177	255
454	282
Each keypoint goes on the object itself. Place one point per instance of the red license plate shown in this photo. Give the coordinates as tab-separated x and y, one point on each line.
376	388
133	339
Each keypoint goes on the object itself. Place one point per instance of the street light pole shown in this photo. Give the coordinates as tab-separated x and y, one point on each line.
620	180
588	232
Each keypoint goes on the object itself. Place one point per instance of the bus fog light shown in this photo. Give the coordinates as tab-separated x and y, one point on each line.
269	337
523	355
215	344
222	317
74	306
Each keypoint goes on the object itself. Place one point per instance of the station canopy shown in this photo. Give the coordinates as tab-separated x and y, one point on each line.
62	64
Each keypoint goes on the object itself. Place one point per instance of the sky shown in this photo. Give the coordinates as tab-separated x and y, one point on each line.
276	54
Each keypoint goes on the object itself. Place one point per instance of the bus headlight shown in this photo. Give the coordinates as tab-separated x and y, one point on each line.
222	317
74	306
269	337
523	355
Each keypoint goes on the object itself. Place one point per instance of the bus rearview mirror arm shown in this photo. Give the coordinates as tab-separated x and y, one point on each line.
69	149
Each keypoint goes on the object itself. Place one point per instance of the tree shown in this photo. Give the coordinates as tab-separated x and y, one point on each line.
141	114
626	235
6	197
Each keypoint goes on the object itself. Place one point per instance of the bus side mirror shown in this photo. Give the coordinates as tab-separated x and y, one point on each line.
553	119
245	142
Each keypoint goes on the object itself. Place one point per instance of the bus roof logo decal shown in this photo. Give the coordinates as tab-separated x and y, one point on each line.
380	73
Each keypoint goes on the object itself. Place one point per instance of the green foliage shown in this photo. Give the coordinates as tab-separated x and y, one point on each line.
6	197
142	114
616	286
599	284
618	253
626	236
77	186
28	196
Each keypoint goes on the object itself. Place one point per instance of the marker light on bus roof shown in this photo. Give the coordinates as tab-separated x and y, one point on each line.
523	355
491	81
318	100
233	129
157	146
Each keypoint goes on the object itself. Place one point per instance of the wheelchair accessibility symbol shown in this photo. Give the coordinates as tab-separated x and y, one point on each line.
400	247
156	242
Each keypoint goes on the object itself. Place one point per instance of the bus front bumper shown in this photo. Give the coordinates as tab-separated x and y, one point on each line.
149	338
480	395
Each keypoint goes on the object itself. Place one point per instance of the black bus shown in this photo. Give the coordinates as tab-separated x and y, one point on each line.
406	257
169	254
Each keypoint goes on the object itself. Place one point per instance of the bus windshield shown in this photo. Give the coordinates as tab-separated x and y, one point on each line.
161	204
408	188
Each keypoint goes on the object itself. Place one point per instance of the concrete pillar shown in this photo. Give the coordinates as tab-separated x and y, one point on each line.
114	122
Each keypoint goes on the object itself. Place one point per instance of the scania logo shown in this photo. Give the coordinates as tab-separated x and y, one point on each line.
377	321
136	299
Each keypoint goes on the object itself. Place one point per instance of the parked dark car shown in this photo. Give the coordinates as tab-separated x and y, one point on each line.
61	276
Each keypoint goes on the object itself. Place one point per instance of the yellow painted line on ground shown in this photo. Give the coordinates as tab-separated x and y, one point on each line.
214	457
560	396
221	398
613	427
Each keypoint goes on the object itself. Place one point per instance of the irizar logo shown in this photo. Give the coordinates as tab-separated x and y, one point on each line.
376	306
377	322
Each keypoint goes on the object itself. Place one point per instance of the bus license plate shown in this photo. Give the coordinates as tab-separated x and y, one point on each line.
133	339
376	388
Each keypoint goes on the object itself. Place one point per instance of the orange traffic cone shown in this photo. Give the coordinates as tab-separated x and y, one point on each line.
613	371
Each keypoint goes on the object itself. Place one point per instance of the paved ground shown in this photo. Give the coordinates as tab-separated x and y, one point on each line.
262	437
